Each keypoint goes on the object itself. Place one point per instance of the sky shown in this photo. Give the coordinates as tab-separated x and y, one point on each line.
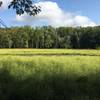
57	13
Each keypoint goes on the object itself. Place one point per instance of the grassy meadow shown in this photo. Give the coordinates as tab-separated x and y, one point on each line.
49	74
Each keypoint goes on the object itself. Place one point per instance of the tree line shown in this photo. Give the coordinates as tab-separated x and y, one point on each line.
49	37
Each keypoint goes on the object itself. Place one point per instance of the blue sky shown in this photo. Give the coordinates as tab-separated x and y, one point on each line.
88	8
72	12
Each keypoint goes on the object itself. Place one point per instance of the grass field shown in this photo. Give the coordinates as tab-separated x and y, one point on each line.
49	74
49	52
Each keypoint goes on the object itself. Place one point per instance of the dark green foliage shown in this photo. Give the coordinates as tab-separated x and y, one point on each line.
87	39
21	7
24	6
49	37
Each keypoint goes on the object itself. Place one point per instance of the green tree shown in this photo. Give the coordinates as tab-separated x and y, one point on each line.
87	38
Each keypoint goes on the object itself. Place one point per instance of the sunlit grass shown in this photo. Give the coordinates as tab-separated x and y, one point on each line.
49	51
73	64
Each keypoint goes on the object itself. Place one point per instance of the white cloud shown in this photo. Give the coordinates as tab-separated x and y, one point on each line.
53	15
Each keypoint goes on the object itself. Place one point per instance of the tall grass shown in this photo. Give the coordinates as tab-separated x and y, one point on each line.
49	77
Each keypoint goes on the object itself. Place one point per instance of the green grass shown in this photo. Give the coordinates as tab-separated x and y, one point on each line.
48	51
44	74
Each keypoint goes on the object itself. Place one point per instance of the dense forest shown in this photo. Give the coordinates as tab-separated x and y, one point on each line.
49	37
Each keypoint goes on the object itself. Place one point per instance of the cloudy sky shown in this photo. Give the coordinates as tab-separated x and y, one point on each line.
56	13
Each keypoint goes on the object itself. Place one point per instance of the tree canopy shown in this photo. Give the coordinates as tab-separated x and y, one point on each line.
49	37
23	6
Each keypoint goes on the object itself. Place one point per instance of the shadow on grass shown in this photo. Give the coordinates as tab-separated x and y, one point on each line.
51	87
